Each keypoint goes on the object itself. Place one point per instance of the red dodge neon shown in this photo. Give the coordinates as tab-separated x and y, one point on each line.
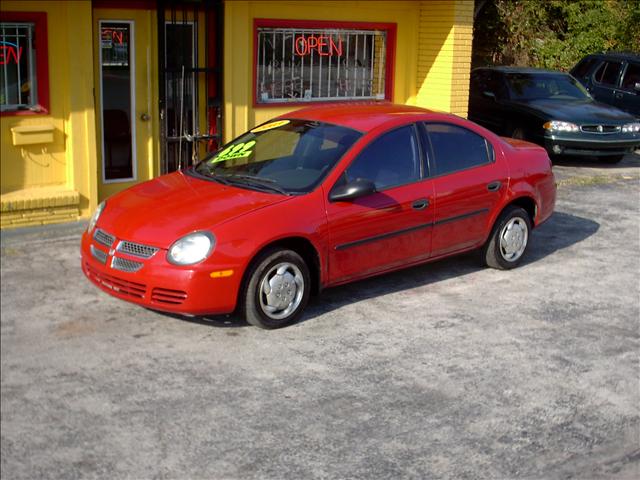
317	198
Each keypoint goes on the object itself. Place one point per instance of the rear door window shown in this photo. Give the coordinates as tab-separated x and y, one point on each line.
456	148
608	73
631	77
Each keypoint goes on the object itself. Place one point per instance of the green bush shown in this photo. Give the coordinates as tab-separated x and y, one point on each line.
554	34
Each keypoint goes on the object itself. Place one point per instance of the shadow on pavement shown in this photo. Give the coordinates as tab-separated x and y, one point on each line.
562	230
630	160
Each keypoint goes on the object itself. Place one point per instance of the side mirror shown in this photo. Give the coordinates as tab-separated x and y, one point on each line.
360	187
490	95
636	87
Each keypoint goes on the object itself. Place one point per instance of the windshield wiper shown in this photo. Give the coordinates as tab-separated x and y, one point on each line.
260	183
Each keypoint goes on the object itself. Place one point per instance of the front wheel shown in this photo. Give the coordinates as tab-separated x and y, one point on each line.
277	289
509	239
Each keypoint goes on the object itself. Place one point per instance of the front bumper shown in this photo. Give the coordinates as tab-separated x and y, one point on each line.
159	285
584	146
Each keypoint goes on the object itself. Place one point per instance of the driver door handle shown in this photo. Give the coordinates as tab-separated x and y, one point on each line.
494	186
420	204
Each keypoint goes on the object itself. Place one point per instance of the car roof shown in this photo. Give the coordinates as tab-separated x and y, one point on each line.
361	116
521	70
616	55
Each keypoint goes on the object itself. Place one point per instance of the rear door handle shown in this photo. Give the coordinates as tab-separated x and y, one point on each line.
494	186
619	95
420	204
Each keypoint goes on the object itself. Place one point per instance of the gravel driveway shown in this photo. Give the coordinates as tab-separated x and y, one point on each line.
447	370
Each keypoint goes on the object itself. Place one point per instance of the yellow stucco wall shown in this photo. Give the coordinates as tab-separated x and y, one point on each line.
55	181
433	51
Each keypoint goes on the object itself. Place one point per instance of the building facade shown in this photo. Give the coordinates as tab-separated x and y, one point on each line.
96	96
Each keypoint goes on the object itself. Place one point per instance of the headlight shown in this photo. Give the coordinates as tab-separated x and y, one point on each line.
558	126
192	248
96	215
631	128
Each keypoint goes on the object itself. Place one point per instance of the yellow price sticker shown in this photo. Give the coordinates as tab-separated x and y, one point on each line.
270	126
239	150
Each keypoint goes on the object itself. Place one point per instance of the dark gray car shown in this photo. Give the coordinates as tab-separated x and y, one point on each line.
612	78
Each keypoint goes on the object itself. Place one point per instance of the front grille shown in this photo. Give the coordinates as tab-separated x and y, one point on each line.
99	254
125	265
137	249
124	287
172	297
104	238
600	128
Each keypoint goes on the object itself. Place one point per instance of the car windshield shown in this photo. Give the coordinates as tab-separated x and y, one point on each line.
532	86
282	156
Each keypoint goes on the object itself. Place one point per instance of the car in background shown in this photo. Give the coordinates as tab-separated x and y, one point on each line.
551	109
317	198
612	78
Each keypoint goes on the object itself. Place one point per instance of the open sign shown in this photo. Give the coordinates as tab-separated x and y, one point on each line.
9	53
324	45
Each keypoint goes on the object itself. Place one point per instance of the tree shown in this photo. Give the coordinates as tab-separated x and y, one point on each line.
554	34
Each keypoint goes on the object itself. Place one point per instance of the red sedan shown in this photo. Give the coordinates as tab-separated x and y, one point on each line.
317	198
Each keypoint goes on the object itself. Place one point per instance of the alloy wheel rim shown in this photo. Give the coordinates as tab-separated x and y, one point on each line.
281	290
513	239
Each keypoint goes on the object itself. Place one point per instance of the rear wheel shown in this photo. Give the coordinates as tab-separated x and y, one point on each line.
278	287
509	239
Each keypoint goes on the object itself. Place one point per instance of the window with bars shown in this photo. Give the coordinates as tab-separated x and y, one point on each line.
306	64
23	63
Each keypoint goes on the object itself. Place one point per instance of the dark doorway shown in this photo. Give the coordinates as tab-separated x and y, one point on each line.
190	46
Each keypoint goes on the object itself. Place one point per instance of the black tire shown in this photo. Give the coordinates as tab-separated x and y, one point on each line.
611	159
292	277
493	253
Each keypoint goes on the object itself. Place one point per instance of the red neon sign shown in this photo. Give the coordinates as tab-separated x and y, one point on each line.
9	51
324	45
117	36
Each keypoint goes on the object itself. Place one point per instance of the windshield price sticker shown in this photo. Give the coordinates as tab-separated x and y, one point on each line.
270	126
239	150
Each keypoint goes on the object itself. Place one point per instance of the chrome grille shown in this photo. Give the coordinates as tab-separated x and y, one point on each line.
104	238
600	128
137	249
125	265
99	254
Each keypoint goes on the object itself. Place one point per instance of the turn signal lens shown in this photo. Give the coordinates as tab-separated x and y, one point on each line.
559	126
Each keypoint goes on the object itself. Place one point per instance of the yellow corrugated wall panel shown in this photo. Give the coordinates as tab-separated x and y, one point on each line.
445	36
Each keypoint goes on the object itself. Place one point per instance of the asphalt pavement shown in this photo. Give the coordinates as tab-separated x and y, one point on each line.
447	370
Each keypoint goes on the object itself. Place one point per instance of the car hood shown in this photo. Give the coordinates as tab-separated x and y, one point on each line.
160	211
578	111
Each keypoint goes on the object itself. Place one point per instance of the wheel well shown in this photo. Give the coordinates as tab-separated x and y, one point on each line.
302	247
529	206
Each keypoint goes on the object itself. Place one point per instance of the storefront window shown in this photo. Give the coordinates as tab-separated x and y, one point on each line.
23	75
305	63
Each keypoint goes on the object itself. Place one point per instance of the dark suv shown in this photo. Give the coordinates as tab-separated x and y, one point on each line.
612	78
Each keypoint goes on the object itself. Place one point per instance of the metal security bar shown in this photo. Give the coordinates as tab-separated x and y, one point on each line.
308	65
18	82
